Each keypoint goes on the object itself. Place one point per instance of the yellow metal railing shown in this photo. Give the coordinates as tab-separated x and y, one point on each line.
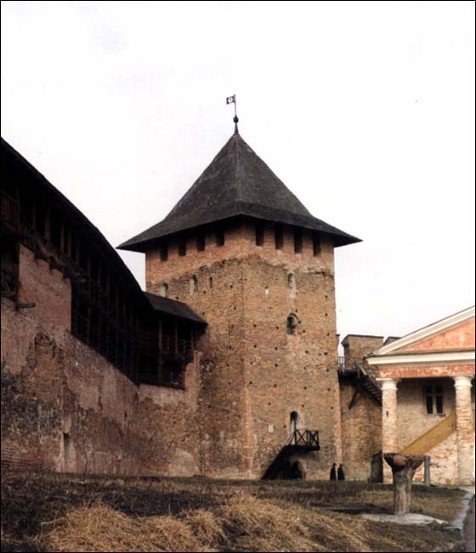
433	437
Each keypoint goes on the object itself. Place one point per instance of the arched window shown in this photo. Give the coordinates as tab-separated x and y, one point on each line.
164	290
293	420
193	285
291	324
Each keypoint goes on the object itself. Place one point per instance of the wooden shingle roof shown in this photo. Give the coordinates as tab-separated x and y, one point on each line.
14	165
174	308
236	183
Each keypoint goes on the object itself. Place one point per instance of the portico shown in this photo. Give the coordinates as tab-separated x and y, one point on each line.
427	381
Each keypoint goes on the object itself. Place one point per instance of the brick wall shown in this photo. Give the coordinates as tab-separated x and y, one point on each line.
361	431
356	347
253	374
46	288
65	408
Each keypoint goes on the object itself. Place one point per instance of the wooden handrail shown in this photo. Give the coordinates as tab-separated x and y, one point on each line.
304	437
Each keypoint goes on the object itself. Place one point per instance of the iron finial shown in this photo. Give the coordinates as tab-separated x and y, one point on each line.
232	100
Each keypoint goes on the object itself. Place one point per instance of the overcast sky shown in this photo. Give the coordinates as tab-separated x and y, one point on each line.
365	110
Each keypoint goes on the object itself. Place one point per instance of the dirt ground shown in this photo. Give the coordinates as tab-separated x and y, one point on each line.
53	512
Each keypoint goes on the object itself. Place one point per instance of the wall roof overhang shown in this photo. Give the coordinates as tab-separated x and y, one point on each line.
174	308
15	163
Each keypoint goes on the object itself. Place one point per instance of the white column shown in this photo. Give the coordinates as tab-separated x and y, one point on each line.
389	422
464	430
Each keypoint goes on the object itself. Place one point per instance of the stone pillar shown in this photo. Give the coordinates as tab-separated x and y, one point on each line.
389	422
464	430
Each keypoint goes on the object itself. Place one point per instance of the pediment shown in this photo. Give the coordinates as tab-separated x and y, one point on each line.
454	333
460	337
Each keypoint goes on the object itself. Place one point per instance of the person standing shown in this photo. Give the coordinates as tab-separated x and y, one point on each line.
340	473
333	472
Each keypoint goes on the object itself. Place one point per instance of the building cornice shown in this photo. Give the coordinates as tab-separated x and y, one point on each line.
442	358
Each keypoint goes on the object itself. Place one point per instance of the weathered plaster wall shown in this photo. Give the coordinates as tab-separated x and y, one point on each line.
413	421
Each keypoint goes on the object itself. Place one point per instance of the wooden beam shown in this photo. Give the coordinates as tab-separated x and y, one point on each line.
354	399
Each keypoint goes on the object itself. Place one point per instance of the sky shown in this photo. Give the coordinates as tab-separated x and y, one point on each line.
365	110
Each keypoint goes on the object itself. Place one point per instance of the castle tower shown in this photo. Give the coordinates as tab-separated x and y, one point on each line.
247	256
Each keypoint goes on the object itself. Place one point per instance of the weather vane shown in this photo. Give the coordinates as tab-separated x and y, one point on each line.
232	100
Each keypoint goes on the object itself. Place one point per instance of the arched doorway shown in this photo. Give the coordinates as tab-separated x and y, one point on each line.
293	421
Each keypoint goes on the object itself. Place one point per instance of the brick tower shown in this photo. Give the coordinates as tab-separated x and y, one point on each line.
246	255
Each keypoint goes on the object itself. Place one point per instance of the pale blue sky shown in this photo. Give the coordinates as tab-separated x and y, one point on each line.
364	109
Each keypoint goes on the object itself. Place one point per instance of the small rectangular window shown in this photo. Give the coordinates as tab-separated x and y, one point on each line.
278	237
41	219
9	266
83	257
220	237
164	252
55	233
259	231
434	399
439	404
316	244
200	242
297	241
182	247
429	405
27	208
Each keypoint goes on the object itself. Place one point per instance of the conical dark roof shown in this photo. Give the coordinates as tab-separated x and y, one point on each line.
237	182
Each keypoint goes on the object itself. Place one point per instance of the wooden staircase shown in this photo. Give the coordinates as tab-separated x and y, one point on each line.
300	441
362	380
369	384
433	437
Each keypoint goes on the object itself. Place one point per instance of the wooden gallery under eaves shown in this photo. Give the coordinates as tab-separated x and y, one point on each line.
225	367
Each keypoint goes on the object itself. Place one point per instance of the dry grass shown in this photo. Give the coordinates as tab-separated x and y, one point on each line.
73	513
206	527
256	525
100	528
